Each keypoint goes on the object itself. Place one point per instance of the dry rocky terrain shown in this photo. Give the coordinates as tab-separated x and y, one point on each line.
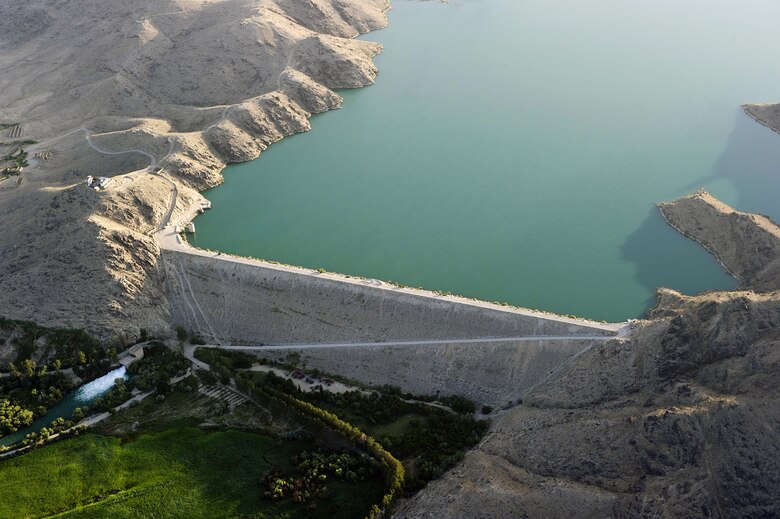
124	88
680	420
766	114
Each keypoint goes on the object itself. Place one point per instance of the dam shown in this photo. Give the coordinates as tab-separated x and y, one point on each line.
369	331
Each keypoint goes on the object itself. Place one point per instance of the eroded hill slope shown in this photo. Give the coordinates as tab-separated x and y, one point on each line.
158	95
681	420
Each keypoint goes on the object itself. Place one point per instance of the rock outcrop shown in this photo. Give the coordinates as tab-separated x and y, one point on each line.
680	420
766	114
747	245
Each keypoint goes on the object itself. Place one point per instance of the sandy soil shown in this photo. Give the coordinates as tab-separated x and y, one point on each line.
128	89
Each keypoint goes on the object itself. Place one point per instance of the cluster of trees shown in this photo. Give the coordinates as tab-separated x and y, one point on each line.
436	444
13	417
15	159
312	472
224	363
434	440
35	385
28	392
459	404
57	426
72	348
117	395
191	337
158	366
267	390
437	440
369	409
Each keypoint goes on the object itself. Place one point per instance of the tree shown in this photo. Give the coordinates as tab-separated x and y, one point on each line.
13	417
28	368
15	373
78	414
163	387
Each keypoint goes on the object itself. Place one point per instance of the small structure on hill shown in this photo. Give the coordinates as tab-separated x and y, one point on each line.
97	183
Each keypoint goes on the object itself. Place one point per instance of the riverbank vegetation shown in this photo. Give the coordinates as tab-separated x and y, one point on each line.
27	393
276	451
152	373
35	374
429	434
185	454
430	439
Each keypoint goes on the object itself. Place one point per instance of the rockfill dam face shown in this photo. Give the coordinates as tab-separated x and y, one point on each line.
420	341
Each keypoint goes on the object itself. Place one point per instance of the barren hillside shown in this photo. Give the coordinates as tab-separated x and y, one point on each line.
158	95
681	420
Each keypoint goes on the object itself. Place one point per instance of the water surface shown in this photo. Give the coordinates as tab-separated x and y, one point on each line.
514	150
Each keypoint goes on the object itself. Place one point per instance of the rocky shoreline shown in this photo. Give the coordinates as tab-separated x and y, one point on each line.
679	420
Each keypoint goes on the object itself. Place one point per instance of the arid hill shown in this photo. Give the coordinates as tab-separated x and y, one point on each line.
110	88
680	420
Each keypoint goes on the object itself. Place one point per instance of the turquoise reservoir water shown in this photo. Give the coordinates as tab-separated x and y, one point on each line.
513	150
85	395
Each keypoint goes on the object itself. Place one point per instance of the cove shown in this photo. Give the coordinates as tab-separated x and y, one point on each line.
514	150
85	395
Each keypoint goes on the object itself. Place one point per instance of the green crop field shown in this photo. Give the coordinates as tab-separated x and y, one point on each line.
180	472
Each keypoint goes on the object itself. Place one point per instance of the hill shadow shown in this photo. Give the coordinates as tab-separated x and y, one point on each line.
751	163
665	258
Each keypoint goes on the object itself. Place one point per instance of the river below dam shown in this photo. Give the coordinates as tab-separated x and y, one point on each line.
82	397
514	150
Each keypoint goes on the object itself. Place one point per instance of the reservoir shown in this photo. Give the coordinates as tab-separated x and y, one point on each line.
514	150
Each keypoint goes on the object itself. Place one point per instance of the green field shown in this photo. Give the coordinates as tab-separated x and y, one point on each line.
180	472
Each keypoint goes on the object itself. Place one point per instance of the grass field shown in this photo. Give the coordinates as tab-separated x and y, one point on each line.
180	472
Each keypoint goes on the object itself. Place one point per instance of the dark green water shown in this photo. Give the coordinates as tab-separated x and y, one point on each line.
513	150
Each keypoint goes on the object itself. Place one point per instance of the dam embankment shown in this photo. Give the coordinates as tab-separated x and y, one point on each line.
231	300
488	372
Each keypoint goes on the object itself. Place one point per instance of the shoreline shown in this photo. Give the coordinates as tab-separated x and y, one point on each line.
746	109
699	242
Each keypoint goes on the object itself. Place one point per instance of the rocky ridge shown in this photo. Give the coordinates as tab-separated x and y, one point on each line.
159	95
680	420
766	114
